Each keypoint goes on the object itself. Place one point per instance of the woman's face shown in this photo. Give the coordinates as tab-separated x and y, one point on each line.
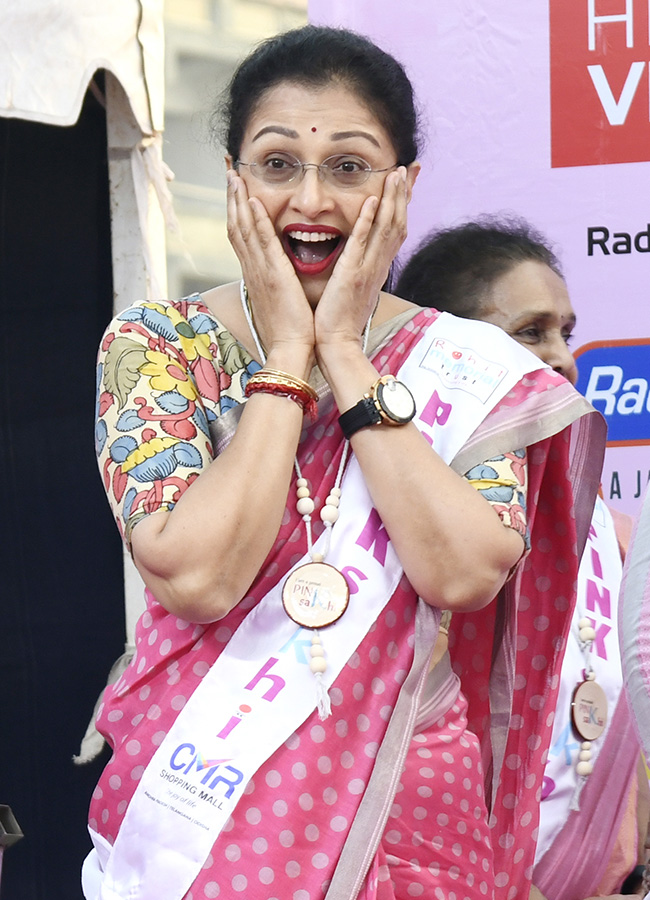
313	216
531	303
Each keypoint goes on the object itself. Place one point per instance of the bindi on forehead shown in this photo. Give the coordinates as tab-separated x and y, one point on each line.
313	128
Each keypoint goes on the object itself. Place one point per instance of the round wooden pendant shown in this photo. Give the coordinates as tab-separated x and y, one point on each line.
315	595
589	710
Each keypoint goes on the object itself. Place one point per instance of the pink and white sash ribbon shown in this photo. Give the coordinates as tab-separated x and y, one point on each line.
260	689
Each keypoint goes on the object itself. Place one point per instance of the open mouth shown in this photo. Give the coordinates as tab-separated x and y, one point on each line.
312	249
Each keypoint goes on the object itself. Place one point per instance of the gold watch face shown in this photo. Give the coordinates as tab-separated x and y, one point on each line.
395	401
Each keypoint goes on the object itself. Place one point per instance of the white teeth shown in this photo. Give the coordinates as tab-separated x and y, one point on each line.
311	236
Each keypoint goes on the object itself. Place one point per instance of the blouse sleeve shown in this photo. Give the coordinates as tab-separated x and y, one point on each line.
503	481
161	381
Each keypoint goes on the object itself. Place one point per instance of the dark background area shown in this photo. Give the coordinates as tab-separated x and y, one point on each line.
61	591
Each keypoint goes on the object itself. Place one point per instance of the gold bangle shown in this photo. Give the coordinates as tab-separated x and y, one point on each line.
275	376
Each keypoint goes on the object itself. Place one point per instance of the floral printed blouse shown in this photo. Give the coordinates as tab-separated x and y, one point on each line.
166	371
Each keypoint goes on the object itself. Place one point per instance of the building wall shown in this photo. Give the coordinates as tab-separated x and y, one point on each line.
205	40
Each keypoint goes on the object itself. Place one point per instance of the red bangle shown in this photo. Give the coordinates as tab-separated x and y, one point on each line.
299	396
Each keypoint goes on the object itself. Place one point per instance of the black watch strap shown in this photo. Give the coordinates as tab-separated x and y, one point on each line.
361	415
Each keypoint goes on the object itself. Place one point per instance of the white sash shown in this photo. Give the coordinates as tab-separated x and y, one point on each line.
261	690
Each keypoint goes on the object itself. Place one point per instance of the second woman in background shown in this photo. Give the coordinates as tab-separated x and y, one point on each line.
501	271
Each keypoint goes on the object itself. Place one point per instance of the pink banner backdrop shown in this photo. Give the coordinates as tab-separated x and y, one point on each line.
542	109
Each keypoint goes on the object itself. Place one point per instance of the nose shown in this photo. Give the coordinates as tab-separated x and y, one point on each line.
312	193
560	358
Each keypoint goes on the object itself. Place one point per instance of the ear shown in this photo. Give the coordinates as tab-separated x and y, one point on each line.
229	162
412	173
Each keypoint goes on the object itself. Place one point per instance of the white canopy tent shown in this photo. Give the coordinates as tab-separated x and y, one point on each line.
50	51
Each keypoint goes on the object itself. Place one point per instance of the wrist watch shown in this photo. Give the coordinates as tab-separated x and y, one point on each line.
388	401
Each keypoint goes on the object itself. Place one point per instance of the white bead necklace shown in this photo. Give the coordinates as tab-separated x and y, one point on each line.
317	572
589	702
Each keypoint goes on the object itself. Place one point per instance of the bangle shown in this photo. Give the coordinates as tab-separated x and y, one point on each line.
275	376
272	381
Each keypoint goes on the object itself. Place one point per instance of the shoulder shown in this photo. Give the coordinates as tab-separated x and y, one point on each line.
168	318
188	327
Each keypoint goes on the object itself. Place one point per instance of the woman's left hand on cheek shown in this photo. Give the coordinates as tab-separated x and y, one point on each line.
352	292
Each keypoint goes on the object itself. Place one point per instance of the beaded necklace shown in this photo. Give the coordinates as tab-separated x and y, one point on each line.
589	702
314	594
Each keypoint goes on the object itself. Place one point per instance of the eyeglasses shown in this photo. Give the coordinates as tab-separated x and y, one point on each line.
280	169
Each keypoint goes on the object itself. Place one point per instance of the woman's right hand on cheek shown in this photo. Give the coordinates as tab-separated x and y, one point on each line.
282	313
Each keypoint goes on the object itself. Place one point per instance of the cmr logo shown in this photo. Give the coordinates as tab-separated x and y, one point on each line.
600	82
615	378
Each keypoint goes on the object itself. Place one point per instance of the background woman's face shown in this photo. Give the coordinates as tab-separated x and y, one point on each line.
312	216
531	303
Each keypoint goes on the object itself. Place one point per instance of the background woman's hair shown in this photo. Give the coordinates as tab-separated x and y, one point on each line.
315	56
453	269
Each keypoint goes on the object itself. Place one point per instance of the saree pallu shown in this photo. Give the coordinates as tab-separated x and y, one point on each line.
312	818
508	656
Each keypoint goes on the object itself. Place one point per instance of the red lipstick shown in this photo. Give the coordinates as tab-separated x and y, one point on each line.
312	248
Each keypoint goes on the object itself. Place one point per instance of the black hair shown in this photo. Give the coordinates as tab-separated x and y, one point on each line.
317	56
453	269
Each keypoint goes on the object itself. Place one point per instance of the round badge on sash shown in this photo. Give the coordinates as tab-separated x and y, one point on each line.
589	710
315	595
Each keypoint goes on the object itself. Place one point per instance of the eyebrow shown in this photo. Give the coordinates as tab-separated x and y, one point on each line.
344	135
541	314
276	129
337	136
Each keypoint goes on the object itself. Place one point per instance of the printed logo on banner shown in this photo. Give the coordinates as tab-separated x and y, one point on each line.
614	377
460	367
600	82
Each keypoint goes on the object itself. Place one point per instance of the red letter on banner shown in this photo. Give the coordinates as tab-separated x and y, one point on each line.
600	76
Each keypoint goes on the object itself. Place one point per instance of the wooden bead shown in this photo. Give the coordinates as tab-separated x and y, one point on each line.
584	768
305	506
316	650
587	634
336	492
584	623
585	745
317	664
585	755
317	557
301	482
329	514
332	500
315	638
302	492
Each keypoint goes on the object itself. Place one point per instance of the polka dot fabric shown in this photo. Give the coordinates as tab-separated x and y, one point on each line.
298	808
437	841
286	834
530	622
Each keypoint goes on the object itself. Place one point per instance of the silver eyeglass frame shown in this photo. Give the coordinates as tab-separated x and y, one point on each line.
325	171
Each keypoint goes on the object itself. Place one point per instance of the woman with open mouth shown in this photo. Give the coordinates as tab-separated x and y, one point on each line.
286	460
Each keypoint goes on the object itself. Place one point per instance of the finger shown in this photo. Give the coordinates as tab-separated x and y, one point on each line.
239	218
392	209
265	231
389	228
373	235
251	232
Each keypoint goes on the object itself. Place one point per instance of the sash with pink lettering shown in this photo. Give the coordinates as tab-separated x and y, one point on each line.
578	814
228	719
